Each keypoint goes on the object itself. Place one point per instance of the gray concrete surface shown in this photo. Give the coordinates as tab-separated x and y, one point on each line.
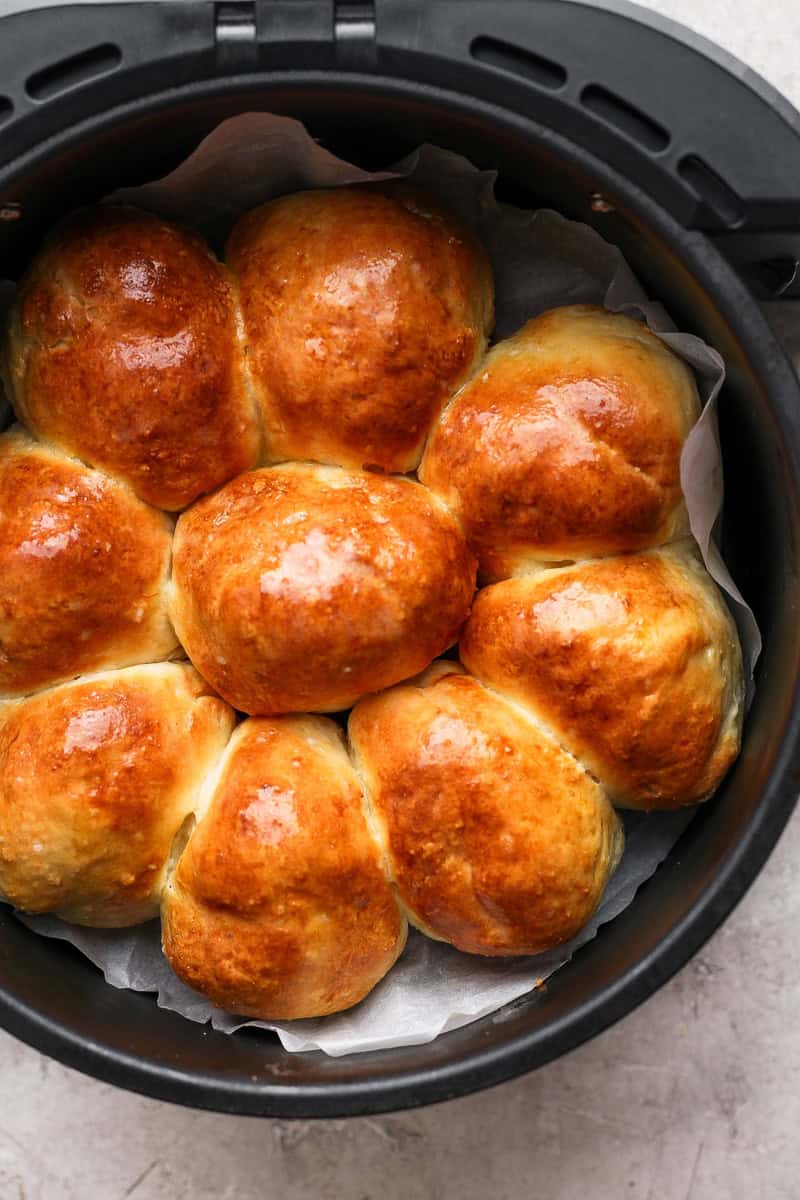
696	1096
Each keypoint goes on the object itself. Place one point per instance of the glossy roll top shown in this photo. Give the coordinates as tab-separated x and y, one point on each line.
566	443
303	587
96	779
83	570
279	907
498	842
364	309
633	662
123	350
346	334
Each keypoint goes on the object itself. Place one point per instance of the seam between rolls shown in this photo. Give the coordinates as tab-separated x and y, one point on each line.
245	370
377	832
180	840
562	565
73	456
202	800
479	358
452	514
610	829
46	444
542	727
168	590
100	673
617	453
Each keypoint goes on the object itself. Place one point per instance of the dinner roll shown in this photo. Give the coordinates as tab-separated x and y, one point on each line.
96	779
364	309
123	350
279	907
566	443
302	587
83	568
498	841
633	662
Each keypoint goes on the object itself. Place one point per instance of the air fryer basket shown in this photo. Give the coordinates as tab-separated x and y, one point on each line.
669	149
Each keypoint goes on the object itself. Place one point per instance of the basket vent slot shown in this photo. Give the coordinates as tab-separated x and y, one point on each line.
537	70
74	71
625	117
6	109
712	190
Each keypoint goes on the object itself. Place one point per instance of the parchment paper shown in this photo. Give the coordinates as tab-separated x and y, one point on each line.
540	260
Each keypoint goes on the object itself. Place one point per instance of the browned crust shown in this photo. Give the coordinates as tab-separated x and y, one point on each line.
96	778
364	309
123	350
279	907
303	587
566	443
633	662
498	842
83	570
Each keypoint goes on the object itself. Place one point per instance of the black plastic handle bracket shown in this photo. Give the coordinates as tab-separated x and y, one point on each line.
695	128
705	137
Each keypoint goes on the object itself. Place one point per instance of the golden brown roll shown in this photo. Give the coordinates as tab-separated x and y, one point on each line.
303	587
123	350
566	443
633	662
83	570
279	907
497	840
96	779
363	311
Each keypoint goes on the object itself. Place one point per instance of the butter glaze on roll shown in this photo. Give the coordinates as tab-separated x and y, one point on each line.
346	335
566	443
364	309
96	779
83	570
123	350
633	662
302	587
497	841
279	907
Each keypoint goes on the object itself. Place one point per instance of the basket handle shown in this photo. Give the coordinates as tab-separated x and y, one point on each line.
707	138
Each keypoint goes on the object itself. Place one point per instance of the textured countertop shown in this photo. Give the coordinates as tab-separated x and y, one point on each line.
695	1096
